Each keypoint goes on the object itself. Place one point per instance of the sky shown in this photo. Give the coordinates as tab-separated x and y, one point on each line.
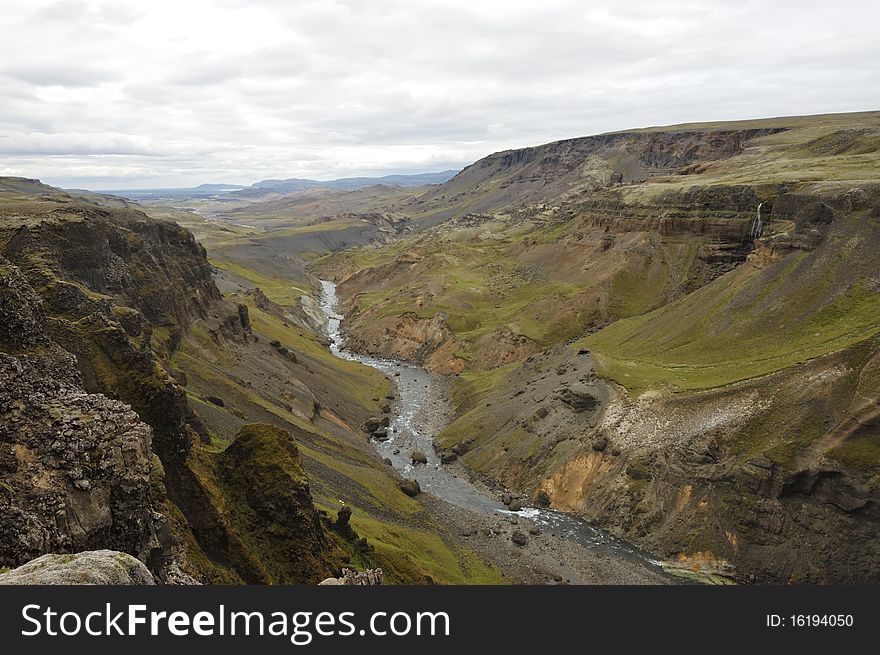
111	95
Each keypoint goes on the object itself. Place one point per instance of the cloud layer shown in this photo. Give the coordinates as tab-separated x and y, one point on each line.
134	94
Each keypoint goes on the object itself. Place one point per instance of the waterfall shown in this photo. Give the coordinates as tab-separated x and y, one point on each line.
757	225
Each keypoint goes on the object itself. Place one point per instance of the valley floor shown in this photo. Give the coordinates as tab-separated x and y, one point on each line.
546	558
543	555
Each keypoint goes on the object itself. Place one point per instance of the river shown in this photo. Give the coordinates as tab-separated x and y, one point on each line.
420	405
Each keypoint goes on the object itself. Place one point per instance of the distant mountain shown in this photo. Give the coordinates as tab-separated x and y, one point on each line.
290	185
201	191
294	185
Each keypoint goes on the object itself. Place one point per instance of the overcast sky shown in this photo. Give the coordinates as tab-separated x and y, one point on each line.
154	93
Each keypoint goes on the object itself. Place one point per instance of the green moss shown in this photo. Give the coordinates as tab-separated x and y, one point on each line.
745	324
861	452
195	561
411	556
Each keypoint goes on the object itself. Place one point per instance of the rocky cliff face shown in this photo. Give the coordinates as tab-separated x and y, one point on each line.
576	168
737	429
767	470
96	436
76	466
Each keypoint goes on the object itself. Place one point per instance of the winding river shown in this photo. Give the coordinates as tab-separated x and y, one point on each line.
418	396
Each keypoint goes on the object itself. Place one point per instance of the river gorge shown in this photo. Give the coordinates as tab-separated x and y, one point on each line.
420	409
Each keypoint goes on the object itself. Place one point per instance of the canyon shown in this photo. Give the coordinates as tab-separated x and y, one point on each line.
670	335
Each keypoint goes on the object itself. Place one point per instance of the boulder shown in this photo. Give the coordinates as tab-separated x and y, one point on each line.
418	457
461	448
356	578
514	505
410	487
519	538
93	567
637	473
579	397
542	499
372	424
447	457
600	444
214	400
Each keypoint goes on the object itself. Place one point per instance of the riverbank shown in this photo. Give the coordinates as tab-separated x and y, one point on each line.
532	546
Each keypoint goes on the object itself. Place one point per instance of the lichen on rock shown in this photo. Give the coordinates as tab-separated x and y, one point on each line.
98	567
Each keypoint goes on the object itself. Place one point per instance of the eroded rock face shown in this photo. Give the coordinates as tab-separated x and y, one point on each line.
801	208
83	290
97	567
580	397
408	337
75	468
96	435
257	514
356	578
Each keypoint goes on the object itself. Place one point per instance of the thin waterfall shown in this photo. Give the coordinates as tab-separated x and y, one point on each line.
757	225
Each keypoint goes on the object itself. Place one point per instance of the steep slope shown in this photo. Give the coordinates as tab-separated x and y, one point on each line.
660	160
98	303
75	466
568	169
739	416
743	426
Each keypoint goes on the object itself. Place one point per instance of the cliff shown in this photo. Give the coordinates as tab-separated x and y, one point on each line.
210	437
97	437
628	348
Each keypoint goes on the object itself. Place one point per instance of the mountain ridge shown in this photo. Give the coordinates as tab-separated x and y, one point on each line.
282	186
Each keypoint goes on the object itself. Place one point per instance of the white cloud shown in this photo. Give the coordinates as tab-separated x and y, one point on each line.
178	93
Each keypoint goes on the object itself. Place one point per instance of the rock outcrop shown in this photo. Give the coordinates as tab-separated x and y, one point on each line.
76	466
267	503
97	437
97	567
369	577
